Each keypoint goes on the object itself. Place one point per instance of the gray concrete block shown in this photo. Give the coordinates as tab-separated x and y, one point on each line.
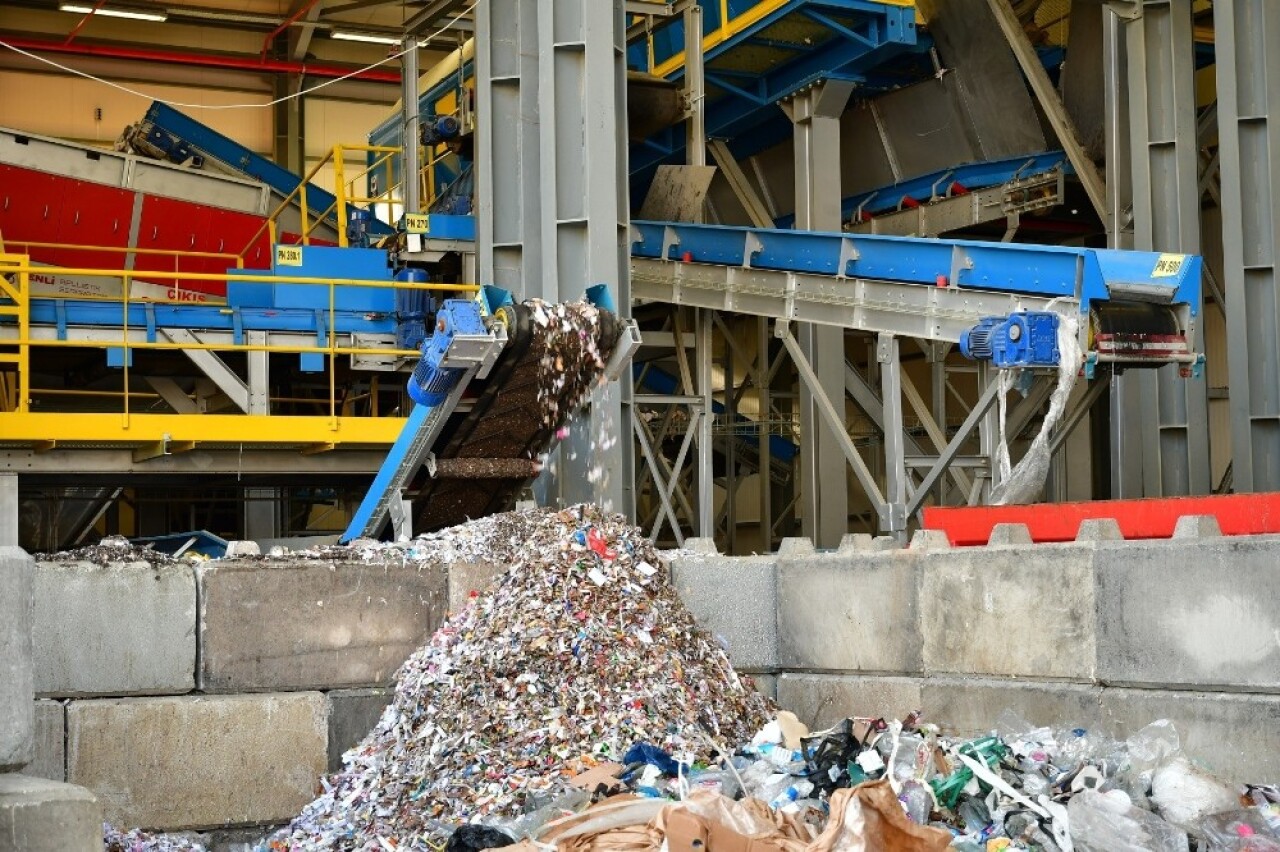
1197	526
1025	612
930	540
735	599
236	839
796	547
191	762
1099	529
849	612
1194	613
971	706
1009	534
468	577
352	715
49	758
821	701
766	684
1233	735
124	628
17	719
308	624
39	815
705	546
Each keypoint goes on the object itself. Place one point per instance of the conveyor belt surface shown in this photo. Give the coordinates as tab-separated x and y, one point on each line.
514	416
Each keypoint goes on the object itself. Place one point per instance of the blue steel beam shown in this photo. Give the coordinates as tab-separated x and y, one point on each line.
877	34
235	156
70	312
1052	271
971	176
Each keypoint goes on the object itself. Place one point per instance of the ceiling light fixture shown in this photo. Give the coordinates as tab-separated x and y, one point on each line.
343	35
108	12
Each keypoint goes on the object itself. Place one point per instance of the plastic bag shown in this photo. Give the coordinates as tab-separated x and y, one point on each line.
1239	831
471	838
1185	794
1108	822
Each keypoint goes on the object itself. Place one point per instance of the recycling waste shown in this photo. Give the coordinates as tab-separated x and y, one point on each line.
576	705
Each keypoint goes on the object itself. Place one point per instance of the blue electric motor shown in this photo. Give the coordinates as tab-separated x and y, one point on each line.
431	381
358	227
1027	339
437	129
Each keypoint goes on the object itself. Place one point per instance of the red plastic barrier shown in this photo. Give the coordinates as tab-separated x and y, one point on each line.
1237	514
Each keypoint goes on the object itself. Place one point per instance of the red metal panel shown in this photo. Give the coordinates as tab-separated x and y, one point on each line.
94	214
30	206
230	231
176	226
1237	514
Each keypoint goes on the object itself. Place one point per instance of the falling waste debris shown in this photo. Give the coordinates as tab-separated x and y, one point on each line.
576	705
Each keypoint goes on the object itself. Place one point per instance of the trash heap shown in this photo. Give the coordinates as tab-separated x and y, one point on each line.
580	651
577	706
115	840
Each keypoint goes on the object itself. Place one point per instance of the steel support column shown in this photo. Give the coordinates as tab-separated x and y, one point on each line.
410	126
815	114
1169	422
1248	45
694	89
706	449
1124	444
552	186
895	465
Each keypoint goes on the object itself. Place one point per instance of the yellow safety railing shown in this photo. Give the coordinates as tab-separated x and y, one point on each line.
15	297
15	301
344	194
176	254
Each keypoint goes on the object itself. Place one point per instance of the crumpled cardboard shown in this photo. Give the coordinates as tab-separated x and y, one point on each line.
869	818
866	818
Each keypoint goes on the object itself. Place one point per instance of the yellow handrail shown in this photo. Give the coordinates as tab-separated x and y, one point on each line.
19	267
18	291
225	255
308	220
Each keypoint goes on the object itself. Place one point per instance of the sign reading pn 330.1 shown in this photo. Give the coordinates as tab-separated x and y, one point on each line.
288	255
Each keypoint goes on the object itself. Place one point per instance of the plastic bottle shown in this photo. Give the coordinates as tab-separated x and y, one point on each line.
795	791
916	799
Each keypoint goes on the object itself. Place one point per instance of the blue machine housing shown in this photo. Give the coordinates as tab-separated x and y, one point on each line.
1026	339
431	380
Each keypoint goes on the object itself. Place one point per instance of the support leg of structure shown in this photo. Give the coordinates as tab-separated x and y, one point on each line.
815	114
553	212
895	463
1248	45
1166	417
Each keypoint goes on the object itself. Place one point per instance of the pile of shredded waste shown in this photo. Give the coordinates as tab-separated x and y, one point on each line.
115	840
576	706
580	651
113	548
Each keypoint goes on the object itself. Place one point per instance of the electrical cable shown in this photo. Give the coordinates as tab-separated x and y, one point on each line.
390	58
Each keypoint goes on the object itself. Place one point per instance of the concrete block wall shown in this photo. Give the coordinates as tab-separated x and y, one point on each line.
1099	632
214	695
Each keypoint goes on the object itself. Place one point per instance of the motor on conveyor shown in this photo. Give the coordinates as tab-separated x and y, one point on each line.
440	129
460	340
1126	334
1026	339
